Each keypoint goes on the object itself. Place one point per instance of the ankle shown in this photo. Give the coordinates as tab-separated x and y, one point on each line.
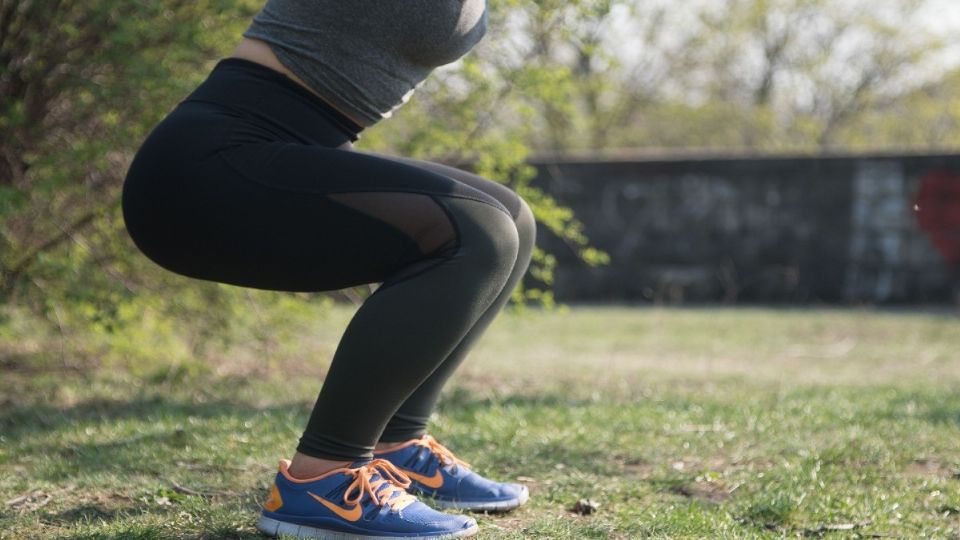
388	445
303	466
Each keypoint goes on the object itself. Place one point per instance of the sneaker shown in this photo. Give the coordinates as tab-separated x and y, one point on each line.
366	500
448	481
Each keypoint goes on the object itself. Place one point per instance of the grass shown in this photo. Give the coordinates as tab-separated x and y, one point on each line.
731	423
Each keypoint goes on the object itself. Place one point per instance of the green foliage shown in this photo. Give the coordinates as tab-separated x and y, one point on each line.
797	75
83	83
110	70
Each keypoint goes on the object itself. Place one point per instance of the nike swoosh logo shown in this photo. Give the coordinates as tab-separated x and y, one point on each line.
432	482
349	514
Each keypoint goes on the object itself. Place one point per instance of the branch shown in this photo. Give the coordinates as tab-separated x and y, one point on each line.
65	232
851	105
6	19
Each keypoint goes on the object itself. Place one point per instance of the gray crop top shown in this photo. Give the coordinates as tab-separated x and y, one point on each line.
368	56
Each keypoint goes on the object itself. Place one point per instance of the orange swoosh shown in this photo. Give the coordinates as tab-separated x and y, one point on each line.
432	482
351	514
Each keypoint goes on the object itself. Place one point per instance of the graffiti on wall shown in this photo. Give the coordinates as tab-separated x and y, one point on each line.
879	219
860	229
937	209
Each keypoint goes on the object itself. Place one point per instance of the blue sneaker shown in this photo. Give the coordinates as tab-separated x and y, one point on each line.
364	501
447	481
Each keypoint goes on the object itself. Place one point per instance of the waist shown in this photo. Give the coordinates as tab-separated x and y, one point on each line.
267	95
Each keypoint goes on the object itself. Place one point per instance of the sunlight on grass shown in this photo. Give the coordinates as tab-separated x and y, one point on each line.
678	422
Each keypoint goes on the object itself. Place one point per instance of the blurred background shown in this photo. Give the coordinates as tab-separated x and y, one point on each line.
717	151
744	203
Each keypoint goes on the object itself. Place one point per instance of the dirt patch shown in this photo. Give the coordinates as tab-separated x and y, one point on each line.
932	468
92	506
28	502
634	466
504	522
711	492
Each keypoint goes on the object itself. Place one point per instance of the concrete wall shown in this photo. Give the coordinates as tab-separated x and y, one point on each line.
769	229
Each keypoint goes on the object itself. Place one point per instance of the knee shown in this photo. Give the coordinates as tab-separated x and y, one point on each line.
502	239
526	227
487	235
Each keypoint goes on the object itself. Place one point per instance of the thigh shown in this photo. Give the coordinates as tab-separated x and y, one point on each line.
293	217
501	192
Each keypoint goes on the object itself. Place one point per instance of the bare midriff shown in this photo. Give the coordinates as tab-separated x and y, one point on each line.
259	51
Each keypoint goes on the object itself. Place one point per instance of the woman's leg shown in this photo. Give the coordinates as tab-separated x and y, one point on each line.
296	217
410	420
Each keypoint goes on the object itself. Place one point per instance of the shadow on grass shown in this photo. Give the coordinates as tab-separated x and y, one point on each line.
156	532
462	400
164	430
23	420
136	451
94	513
937	408
123	523
134	518
136	531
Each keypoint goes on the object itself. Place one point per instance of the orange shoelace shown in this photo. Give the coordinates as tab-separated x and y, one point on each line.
446	456
394	479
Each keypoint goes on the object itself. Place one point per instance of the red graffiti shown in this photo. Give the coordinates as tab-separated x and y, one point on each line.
937	208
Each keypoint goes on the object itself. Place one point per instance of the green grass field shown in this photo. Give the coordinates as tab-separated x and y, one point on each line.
734	423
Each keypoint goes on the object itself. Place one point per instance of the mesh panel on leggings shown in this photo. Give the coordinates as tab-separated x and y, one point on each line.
417	215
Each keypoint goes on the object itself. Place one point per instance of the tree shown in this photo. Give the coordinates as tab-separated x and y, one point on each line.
81	86
789	74
484	112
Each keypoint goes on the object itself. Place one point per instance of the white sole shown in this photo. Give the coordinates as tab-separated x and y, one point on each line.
273	527
481	506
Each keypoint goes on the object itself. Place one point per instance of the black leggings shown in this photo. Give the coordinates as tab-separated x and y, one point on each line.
253	181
